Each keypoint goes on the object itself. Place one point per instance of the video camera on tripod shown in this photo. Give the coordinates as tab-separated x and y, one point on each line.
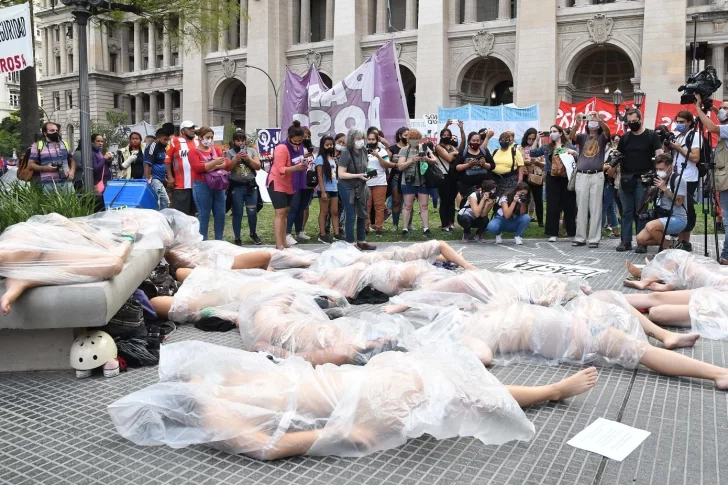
704	83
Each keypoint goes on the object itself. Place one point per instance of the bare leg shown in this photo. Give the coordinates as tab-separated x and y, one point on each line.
672	315
13	289
577	384
392	309
676	364
182	273
657	286
670	340
453	256
642	301
162	305
638	284
257	259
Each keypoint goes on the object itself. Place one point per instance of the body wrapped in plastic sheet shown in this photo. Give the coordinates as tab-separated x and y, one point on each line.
285	322
53	250
151	227
389	277
709	312
219	293
596	328
341	254
685	270
242	402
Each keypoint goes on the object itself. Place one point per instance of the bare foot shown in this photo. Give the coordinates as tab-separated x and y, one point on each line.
680	340
586	290
633	270
722	381
577	384
392	309
657	286
5	304
640	285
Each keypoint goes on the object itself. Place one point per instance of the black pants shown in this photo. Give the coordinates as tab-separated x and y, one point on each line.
469	223
537	193
448	192
559	199
692	187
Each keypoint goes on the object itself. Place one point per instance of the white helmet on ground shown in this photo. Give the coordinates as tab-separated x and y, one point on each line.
91	350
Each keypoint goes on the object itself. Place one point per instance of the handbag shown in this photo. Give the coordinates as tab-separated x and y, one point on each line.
99	187
217	179
535	179
435	176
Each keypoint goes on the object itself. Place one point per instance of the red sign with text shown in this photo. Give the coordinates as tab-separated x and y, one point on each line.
568	111
666	113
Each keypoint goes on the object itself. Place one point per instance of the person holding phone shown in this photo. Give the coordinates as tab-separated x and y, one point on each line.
413	161
244	189
395	176
473	166
377	183
301	196
206	158
352	175
328	189
512	215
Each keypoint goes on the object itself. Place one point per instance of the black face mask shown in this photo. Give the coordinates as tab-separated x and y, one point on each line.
52	137
372	146
331	151
445	140
403	140
634	125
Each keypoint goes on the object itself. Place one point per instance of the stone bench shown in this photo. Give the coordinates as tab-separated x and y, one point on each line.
38	332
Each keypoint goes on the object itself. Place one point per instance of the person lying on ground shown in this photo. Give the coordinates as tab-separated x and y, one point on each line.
675	269
705	310
245	403
53	250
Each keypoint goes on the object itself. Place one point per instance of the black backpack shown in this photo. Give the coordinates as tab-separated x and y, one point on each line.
706	152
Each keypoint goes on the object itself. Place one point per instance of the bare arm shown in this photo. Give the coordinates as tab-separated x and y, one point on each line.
707	122
508	209
444	155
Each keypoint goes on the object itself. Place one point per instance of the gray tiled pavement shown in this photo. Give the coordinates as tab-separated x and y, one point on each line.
54	429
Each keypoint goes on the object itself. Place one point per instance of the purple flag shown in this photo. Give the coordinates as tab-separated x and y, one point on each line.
370	96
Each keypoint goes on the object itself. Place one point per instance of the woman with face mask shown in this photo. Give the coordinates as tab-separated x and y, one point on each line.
209	197
395	176
339	146
686	148
473	166
509	166
379	161
328	189
132	160
534	171
411	160
558	197
244	162
352	175
589	177
446	152
302	195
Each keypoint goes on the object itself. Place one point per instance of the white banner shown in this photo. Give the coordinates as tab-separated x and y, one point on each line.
16	38
218	133
542	267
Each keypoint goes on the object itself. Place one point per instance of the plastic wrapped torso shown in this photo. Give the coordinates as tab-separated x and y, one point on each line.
684	270
709	312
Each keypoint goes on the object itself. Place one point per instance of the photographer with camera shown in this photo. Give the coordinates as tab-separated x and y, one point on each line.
719	165
512	216
51	160
474	210
637	146
589	177
670	192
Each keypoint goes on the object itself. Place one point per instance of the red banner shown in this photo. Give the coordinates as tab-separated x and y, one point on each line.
666	113
568	111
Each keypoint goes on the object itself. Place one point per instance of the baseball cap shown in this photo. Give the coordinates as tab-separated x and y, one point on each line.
186	124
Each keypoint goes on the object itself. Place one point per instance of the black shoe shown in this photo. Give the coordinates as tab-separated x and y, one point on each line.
405	234
339	237
238	242
379	233
640	249
326	239
578	243
624	246
427	234
256	240
684	245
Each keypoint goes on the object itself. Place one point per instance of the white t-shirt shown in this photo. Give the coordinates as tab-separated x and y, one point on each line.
467	209
516	210
381	178
691	170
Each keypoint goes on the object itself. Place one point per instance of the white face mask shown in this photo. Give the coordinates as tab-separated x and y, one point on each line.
662	174
722	115
206	142
340	148
593	125
555	136
360	144
414	143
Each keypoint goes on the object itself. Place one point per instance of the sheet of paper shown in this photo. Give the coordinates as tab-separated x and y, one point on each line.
609	438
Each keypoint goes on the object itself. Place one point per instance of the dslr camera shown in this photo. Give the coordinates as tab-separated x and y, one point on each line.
615	158
648	179
666	137
704	83
648	215
523	198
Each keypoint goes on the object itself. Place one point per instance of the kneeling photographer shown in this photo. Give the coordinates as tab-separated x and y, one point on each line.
474	210
512	216
669	204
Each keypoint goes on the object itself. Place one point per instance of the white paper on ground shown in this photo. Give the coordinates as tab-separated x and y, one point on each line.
609	438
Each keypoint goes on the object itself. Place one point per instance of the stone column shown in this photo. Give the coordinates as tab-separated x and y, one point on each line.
663	53
64	54
75	47
153	108
471	12
105	55
167	46
168	105
329	19
432	51
411	15
126	98
718	54
152	47
223	41
124	47
582	3
562	4
47	49
305	21
138	108
350	23
382	24
535	53
243	23
51	53
137	46
454	14
504	9
233	35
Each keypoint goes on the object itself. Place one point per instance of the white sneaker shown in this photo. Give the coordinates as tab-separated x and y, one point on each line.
304	236
552	239
290	240
498	239
519	241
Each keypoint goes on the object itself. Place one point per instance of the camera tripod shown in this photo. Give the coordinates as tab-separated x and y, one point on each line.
674	197
707	184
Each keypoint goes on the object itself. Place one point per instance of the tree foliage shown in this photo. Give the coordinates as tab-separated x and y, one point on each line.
112	128
10	135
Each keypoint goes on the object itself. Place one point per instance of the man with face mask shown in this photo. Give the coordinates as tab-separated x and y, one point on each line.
638	146
51	160
670	200
720	176
179	171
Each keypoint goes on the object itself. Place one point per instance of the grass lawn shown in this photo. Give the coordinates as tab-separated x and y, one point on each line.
265	228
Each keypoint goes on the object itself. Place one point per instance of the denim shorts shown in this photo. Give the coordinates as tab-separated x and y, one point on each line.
677	224
412	190
333	194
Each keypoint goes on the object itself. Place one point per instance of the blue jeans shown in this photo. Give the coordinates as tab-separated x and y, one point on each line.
609	207
517	225
301	199
161	192
724	208
208	200
248	195
60	186
345	196
631	201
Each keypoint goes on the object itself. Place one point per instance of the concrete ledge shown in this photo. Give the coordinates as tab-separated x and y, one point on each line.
33	350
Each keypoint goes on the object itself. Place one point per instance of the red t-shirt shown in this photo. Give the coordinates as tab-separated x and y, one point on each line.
177	155
198	159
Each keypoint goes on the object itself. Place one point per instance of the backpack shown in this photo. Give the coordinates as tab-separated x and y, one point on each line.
706	152
24	172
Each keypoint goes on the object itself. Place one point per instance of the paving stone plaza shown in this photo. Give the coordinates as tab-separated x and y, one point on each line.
54	429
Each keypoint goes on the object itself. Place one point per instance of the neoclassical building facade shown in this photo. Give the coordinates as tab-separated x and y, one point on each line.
450	52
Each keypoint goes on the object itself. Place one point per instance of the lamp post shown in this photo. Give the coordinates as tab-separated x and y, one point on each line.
639	98
617	100
275	90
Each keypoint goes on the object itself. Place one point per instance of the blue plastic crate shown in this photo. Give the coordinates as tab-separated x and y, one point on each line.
133	194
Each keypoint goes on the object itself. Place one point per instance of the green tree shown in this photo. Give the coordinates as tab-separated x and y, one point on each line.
112	128
10	128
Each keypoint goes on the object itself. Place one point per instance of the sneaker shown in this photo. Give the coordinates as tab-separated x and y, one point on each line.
427	234
365	246
519	241
498	239
379	233
339	237
395	228
405	234
479	238
238	242
82	374
684	245
578	243
553	239
624	246
325	239
411	227
446	229
640	249
466	238
304	236
290	240
111	368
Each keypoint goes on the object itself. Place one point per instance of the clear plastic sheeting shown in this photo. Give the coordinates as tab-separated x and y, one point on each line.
290	258
338	255
208	292
341	254
186	228
684	270
221	254
53	250
242	402
152	229
709	312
